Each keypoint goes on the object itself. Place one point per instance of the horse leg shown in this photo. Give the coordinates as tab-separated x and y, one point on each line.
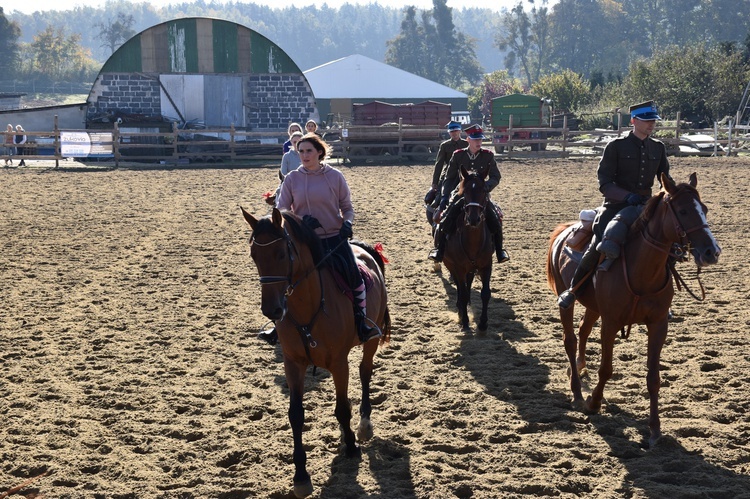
657	335
295	379
462	303
584	330
364	430
343	411
594	402
485	294
570	342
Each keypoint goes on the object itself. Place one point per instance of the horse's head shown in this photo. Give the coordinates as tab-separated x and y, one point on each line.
690	223
474	191
273	252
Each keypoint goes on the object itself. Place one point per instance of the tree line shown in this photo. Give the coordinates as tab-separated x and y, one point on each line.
692	56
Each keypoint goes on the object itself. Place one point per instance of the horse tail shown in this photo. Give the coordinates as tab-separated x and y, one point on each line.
386	329
550	262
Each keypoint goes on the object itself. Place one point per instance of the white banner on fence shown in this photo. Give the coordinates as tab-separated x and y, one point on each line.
85	144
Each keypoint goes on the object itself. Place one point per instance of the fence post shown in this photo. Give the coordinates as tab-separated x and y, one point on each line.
729	139
716	138
56	139
175	137
231	143
400	139
565	133
510	134
116	143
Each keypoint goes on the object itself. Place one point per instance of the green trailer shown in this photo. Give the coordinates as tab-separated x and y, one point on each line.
516	112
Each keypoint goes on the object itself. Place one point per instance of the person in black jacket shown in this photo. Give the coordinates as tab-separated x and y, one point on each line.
626	174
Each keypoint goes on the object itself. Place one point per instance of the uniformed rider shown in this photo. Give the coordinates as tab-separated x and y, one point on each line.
475	158
445	152
626	174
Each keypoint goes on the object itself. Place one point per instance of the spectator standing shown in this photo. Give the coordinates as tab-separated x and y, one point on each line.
293	127
8	142
20	140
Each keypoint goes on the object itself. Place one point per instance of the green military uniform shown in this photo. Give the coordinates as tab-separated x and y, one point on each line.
445	152
628	165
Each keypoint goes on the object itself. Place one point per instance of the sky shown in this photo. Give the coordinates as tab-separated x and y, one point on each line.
42	5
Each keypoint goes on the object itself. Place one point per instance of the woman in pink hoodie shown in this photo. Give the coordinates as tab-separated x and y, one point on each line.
318	193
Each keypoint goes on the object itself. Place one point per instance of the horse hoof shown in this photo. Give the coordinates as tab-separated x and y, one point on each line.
353	451
303	489
482	327
364	431
591	408
436	267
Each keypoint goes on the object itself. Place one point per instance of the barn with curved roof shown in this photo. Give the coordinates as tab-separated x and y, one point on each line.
210	71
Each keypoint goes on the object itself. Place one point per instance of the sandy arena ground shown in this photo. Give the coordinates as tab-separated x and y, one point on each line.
130	368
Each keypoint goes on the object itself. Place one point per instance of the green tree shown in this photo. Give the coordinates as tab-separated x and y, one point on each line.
60	57
115	32
568	90
10	33
700	82
434	48
524	37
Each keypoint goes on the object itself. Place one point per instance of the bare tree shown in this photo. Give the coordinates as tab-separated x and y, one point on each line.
115	32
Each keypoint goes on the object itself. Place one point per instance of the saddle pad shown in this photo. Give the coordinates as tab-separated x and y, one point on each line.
344	286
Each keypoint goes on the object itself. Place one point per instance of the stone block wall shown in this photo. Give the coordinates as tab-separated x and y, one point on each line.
125	93
274	100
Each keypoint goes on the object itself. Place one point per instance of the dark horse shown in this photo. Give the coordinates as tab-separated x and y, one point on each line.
470	248
636	290
315	321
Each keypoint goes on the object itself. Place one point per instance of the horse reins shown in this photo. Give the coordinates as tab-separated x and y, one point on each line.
304	330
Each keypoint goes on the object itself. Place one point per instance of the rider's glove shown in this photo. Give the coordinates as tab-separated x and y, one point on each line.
430	196
346	230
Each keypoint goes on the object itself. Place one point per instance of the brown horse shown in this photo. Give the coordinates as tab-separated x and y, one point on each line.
470	248
315	321
636	290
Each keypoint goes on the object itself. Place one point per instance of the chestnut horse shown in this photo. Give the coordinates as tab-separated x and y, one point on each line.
470	248
636	290
315	321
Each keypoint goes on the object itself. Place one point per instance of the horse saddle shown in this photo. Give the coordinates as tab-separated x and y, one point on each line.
581	232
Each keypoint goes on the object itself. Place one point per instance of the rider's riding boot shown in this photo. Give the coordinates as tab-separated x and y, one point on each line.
581	277
502	255
437	253
365	331
270	336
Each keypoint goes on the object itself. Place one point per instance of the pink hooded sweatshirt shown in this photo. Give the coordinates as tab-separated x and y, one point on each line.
324	194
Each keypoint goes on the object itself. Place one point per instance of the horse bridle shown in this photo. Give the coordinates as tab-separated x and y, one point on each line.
681	250
291	249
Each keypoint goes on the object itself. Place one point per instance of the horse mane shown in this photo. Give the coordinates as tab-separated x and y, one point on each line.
297	229
651	204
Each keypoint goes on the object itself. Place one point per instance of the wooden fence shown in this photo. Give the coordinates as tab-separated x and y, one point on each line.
124	143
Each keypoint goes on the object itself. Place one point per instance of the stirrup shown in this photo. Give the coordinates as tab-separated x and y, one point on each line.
566	299
435	255
270	336
365	332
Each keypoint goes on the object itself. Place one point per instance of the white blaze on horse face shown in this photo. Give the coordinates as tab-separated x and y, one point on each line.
716	248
